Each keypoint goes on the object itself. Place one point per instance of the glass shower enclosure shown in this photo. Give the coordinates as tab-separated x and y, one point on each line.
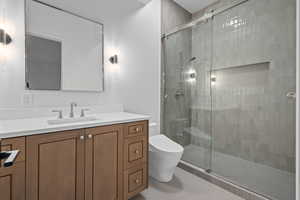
229	86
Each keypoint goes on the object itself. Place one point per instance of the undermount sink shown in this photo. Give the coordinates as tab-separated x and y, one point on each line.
71	120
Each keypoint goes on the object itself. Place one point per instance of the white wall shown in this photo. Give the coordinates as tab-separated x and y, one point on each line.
135	83
139	46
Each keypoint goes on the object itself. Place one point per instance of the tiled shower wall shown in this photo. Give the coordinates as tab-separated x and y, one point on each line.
252	116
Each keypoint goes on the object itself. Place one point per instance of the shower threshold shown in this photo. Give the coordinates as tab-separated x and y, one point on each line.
222	182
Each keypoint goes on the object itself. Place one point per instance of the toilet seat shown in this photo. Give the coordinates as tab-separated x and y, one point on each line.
163	143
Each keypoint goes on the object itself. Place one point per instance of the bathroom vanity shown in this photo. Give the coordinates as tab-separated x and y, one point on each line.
101	159
67	157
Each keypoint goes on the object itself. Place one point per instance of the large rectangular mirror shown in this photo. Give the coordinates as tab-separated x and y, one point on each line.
64	51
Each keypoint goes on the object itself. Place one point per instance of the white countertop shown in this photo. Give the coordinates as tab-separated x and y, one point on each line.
33	126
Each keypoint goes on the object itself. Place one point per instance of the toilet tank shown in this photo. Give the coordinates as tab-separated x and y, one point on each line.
153	129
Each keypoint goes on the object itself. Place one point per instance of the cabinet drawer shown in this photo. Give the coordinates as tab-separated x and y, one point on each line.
135	180
136	129
14	144
136	150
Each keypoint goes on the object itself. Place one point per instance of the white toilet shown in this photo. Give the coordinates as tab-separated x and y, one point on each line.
164	155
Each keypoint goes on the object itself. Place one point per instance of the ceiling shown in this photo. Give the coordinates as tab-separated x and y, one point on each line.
194	5
99	10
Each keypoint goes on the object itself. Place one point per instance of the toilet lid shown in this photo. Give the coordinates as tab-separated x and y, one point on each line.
163	143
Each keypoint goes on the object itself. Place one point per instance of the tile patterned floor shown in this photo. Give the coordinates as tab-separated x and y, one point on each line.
185	186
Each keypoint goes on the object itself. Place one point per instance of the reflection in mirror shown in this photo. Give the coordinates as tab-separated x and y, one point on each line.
63	51
43	71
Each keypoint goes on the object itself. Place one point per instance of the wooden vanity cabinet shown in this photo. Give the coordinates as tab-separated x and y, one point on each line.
87	164
12	179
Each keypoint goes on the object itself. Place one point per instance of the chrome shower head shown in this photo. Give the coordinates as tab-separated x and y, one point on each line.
192	59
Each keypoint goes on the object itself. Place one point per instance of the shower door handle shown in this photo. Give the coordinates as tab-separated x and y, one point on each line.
291	95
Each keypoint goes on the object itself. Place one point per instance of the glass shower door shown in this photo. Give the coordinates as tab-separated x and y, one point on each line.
187	92
253	80
198	152
176	91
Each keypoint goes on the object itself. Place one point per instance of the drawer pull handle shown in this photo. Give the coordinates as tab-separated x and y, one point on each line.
137	181
90	136
81	137
137	130
137	152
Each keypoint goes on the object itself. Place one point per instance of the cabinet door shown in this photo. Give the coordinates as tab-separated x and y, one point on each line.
55	166
104	163
12	182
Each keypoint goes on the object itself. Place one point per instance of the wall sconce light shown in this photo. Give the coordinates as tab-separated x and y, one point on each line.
213	80
193	75
114	59
4	37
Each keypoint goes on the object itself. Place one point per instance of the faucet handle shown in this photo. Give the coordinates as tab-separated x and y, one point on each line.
60	113
83	112
73	104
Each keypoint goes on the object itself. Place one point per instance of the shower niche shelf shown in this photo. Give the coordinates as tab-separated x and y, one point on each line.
263	65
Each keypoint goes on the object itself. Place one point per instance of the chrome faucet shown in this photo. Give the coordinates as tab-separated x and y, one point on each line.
72	109
60	112
83	112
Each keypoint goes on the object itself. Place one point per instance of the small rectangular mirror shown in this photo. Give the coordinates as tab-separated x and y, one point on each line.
64	51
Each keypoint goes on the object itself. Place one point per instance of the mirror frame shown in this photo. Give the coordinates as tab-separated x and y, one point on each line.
76	15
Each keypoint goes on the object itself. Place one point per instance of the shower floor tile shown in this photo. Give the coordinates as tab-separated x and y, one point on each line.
185	186
261	178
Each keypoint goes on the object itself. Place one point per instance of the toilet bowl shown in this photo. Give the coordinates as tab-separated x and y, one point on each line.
164	155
